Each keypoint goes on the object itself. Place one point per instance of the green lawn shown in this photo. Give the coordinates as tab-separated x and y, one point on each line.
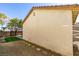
10	39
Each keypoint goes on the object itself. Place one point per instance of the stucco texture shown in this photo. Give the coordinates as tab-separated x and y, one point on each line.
51	29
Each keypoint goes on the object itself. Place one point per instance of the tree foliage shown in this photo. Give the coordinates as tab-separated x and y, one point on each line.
15	24
2	18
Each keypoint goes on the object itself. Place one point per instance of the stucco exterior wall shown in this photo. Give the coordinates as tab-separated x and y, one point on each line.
51	29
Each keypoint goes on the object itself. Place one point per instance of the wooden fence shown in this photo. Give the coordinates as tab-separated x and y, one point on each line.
10	33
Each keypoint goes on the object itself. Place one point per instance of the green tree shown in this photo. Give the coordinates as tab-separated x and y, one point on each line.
2	18
20	23
14	24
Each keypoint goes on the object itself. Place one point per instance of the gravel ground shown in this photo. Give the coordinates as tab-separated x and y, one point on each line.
20	48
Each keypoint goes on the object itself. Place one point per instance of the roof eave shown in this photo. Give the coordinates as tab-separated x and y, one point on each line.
60	7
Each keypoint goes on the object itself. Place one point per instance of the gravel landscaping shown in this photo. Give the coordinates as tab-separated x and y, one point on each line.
22	48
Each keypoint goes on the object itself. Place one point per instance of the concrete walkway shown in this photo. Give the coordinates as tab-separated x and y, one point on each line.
20	48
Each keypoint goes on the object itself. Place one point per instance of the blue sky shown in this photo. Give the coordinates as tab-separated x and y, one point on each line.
13	10
19	10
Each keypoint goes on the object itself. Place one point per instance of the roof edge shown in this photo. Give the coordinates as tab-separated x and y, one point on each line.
28	14
69	7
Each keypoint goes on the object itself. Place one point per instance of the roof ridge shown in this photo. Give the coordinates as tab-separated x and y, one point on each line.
55	5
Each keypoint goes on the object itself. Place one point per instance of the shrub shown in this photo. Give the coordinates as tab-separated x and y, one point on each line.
10	39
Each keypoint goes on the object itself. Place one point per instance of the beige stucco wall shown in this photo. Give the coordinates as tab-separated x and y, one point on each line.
51	29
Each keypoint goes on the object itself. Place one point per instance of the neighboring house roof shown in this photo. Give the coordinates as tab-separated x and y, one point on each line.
56	7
